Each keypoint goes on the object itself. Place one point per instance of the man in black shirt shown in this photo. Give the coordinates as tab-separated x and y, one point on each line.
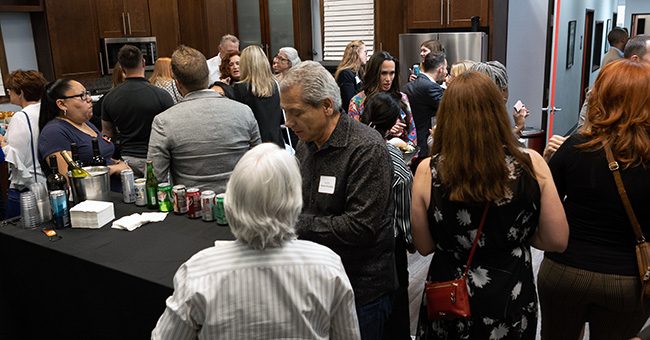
346	173
128	110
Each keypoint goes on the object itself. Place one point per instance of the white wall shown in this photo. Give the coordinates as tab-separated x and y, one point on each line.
18	41
526	57
635	6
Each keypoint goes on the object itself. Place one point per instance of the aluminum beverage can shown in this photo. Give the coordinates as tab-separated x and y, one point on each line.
207	202
219	211
140	192
60	213
180	200
128	185
193	203
165	197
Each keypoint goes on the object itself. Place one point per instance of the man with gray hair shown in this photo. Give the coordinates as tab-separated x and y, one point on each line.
347	181
199	140
267	284
228	44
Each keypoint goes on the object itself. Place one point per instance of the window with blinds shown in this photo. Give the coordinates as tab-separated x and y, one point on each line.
344	21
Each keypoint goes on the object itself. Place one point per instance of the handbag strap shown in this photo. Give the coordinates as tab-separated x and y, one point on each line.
478	236
614	167
31	144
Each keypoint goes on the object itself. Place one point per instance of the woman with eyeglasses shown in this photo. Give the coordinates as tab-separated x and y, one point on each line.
66	108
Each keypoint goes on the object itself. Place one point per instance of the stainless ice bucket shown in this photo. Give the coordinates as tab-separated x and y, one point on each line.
95	187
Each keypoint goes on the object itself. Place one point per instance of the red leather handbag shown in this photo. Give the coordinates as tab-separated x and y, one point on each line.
450	299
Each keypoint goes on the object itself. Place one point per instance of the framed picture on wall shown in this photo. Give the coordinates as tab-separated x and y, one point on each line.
571	44
609	28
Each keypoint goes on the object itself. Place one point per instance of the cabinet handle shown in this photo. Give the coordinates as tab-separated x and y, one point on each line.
266	47
442	12
448	6
101	63
123	24
128	19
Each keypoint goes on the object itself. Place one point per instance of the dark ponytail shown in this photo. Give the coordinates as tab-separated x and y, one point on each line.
54	90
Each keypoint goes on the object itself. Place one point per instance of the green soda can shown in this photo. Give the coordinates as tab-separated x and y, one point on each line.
218	210
165	203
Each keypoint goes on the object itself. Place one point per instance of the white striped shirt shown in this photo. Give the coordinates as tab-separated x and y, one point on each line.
231	291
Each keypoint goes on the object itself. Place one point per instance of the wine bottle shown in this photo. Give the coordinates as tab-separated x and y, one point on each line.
97	159
56	181
151	187
74	153
75	169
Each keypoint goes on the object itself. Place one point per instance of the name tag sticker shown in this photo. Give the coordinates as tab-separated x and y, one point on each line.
357	79
326	185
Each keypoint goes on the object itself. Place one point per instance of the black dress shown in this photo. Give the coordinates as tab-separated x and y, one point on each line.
267	111
500	281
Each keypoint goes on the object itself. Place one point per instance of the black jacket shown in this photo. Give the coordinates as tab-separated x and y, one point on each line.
424	96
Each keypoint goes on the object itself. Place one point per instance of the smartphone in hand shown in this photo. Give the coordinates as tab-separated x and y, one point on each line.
416	69
518	105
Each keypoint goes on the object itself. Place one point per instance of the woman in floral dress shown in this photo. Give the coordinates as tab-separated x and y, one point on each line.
476	161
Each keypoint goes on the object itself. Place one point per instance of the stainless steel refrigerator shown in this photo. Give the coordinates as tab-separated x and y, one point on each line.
458	47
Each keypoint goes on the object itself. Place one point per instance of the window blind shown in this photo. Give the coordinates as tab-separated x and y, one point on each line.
344	21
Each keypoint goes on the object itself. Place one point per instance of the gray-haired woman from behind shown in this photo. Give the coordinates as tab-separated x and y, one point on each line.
265	284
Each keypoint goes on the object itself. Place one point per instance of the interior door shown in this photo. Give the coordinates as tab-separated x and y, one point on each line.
563	69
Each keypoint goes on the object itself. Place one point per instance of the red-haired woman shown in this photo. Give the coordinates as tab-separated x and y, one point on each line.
596	279
477	164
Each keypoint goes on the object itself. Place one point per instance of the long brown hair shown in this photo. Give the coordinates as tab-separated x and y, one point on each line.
619	112
351	59
472	137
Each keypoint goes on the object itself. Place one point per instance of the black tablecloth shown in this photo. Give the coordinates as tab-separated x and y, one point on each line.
94	284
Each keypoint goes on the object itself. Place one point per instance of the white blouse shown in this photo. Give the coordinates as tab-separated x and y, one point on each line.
18	151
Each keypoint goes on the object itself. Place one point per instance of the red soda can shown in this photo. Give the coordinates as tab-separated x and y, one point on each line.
193	203
180	200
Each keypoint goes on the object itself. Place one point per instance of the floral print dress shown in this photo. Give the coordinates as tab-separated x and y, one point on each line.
500	282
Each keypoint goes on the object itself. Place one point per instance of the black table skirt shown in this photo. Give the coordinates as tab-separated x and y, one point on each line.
94	284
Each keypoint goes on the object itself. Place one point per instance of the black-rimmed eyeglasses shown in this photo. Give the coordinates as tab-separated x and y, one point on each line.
83	96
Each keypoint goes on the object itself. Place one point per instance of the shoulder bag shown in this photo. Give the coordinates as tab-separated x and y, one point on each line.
642	247
450	299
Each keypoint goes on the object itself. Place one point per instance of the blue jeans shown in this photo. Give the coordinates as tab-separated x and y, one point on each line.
372	317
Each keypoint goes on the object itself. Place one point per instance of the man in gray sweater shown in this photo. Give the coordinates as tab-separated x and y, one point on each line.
199	140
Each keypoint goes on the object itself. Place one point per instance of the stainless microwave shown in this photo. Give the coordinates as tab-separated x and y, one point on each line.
111	46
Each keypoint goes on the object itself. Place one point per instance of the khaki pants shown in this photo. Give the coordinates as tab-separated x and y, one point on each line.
569	297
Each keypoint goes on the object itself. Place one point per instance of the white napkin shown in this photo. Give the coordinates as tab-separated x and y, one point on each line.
134	221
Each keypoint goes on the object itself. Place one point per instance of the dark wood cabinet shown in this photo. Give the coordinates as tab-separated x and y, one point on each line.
165	25
445	13
460	12
200	28
21	6
123	18
389	24
73	41
425	13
